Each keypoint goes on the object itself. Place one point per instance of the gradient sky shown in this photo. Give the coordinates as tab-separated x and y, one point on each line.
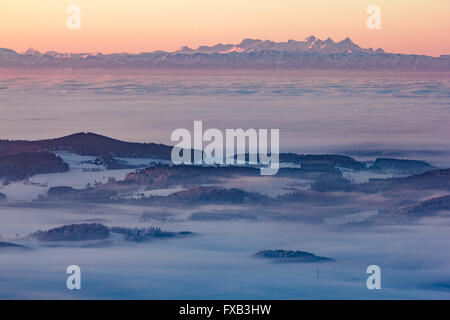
408	26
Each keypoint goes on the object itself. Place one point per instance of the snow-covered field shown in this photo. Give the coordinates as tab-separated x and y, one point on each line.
81	173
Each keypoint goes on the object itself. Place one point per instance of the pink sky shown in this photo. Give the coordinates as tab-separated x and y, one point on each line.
408	26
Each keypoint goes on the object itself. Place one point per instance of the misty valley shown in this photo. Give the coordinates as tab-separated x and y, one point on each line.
140	226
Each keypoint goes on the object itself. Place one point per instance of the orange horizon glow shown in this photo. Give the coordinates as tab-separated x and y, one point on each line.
408	26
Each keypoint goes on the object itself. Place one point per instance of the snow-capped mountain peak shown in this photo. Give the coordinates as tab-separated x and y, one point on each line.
310	44
252	54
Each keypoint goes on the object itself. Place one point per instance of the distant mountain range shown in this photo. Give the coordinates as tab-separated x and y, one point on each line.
310	44
250	54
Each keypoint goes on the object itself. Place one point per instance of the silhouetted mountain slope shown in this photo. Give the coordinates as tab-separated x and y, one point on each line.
432	180
74	232
91	144
145	234
400	165
90	194
8	147
23	165
97	231
424	208
322	160
216	195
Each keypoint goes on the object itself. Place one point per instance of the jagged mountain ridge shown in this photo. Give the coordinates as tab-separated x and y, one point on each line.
250	54
310	44
88	143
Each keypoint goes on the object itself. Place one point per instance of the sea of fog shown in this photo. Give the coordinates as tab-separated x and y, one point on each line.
365	116
356	115
217	263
